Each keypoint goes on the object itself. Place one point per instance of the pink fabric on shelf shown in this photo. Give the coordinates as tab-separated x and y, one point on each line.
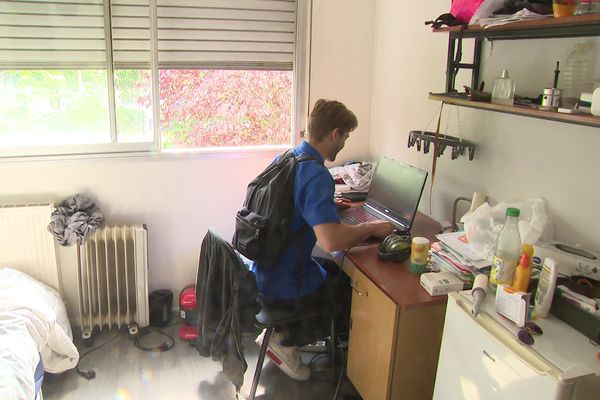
463	10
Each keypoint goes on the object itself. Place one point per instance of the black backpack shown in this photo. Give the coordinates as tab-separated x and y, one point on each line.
262	226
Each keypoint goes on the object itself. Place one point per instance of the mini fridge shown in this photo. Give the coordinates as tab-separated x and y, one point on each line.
481	358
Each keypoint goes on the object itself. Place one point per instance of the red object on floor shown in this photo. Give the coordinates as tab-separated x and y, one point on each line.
188	307
188	332
188	310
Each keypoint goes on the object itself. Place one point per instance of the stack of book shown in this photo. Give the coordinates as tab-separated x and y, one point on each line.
453	253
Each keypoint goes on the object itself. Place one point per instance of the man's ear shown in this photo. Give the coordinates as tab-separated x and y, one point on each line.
335	134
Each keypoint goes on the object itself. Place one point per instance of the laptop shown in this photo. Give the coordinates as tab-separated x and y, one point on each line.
394	195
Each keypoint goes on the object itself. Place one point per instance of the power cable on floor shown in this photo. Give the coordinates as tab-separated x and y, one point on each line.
91	373
164	346
341	376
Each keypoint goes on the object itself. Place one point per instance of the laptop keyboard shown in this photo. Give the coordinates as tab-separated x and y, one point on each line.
358	215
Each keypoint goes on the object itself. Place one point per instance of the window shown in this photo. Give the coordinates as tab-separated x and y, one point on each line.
85	76
211	108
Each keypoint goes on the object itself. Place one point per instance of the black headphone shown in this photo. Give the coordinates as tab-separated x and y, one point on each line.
394	248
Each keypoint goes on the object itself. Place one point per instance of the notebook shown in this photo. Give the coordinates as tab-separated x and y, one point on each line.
394	195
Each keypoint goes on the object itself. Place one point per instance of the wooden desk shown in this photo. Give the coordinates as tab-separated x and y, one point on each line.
396	327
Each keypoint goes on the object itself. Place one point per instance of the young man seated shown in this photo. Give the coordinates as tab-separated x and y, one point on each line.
324	286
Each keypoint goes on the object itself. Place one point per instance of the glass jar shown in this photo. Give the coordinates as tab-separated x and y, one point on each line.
583	7
563	8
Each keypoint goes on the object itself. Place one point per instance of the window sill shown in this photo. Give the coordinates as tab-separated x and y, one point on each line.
172	154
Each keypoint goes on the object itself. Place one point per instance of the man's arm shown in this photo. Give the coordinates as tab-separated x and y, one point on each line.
340	236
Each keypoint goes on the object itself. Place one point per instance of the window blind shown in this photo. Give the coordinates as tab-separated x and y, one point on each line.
39	34
191	33
226	33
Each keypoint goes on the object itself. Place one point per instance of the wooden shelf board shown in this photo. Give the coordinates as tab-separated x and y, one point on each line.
578	20
458	100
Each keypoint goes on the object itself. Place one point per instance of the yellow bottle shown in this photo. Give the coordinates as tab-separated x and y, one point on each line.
527	248
522	274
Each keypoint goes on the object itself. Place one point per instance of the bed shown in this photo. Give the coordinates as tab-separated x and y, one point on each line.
34	335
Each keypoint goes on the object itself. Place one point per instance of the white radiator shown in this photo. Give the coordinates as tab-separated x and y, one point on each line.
25	243
112	279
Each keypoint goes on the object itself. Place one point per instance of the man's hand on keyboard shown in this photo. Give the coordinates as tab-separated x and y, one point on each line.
381	228
341	202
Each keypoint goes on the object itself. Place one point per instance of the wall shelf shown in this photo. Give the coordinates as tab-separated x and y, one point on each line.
460	99
575	26
545	28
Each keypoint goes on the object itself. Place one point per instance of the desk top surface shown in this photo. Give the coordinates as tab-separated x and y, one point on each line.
395	279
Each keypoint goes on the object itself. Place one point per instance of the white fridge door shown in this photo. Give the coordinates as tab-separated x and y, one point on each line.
475	365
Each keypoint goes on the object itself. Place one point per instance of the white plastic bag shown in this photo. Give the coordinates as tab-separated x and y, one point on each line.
485	10
483	225
357	175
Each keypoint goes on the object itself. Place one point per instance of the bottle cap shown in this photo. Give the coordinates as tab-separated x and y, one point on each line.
513	212
527	248
524	260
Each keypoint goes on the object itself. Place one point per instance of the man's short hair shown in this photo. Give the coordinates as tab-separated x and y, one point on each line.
328	115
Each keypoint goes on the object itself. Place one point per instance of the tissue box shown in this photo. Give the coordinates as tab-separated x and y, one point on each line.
440	283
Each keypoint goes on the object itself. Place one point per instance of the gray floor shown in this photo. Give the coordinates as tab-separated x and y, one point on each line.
124	372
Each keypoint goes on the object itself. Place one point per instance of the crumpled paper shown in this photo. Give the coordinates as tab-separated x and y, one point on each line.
358	175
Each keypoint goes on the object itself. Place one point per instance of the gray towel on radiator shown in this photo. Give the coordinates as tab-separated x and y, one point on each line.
75	218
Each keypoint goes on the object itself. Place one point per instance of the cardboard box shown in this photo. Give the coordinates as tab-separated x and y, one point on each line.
440	283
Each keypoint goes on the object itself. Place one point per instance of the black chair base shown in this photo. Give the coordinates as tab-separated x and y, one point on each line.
265	344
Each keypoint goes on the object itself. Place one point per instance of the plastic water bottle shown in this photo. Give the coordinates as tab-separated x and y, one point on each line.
586	7
506	253
575	73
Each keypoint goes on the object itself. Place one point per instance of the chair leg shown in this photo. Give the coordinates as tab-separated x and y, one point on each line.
259	363
333	347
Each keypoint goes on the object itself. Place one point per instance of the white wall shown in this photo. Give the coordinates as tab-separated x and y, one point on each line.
341	64
517	158
178	197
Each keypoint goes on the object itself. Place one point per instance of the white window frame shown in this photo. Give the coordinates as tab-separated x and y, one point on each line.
301	67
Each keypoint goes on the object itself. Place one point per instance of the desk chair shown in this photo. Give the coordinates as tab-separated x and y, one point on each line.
226	294
271	316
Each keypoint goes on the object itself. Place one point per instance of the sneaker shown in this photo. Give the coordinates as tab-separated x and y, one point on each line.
287	358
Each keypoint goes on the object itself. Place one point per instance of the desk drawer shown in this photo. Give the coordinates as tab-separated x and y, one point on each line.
370	348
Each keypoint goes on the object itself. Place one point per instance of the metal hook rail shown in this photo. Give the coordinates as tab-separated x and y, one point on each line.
423	139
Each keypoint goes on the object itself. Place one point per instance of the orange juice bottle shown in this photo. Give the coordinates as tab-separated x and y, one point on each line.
527	248
522	274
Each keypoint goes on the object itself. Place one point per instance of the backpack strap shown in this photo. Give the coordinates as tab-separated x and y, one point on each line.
304	157
297	238
299	262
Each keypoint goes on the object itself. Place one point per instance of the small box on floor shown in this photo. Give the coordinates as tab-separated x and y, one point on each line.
440	283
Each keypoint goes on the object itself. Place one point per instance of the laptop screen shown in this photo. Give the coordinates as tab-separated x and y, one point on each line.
396	189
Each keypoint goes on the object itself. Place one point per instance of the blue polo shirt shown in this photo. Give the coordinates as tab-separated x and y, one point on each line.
313	198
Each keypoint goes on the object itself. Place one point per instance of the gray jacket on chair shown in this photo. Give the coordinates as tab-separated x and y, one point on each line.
226	293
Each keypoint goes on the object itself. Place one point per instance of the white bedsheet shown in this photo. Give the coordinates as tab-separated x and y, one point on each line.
33	321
